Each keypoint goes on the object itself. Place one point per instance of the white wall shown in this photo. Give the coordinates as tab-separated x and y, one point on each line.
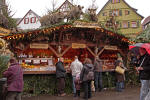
29	25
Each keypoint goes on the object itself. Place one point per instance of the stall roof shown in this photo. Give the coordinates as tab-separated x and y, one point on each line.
75	25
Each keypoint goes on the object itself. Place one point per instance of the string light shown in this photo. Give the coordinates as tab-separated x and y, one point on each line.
50	30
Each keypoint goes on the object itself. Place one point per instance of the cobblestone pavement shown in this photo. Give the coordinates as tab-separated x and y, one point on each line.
130	93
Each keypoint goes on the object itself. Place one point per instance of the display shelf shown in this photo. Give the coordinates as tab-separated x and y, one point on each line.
39	72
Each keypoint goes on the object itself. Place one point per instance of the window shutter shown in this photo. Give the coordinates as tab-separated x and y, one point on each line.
120	24
128	24
128	12
31	20
120	12
138	24
35	20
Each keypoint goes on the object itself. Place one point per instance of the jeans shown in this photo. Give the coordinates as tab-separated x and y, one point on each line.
98	81
13	95
145	87
148	96
73	84
119	86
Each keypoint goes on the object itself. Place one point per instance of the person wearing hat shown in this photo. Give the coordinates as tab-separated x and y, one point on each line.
120	78
144	73
14	75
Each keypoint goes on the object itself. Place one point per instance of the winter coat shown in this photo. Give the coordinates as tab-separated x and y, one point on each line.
145	73
14	75
119	77
85	70
97	65
60	70
76	67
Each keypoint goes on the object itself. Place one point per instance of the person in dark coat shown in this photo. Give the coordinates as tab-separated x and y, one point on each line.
144	72
14	75
83	77
120	78
60	75
98	74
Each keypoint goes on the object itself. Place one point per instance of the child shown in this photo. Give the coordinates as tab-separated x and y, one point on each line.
77	84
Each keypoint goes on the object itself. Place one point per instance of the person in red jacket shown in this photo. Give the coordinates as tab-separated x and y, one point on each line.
14	75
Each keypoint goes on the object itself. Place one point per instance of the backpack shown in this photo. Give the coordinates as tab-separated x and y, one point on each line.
90	75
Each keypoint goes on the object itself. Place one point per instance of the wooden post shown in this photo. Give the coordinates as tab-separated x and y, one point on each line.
90	51
66	50
51	48
100	52
120	51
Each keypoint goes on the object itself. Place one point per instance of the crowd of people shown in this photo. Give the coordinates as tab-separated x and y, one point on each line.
83	74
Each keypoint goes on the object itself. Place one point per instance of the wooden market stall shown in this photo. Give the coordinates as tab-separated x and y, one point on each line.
38	50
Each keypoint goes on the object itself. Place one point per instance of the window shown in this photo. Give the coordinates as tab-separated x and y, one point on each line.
110	13
125	24
133	24
26	21
120	12
127	12
105	14
33	19
115	1
115	13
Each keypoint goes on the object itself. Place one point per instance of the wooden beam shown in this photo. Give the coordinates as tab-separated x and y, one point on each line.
53	50
100	52
120	51
90	51
66	50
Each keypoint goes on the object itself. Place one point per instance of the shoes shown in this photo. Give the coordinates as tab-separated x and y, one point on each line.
87	98
74	95
63	94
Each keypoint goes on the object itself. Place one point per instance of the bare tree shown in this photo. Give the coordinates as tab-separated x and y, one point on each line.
6	19
93	5
54	4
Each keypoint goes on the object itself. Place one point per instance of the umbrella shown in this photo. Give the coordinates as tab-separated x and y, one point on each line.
135	48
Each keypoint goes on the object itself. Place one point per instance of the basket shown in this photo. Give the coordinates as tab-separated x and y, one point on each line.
120	70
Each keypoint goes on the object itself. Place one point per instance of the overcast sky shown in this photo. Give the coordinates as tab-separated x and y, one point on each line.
21	7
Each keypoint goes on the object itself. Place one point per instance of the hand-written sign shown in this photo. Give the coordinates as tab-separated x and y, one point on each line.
110	47
39	46
76	45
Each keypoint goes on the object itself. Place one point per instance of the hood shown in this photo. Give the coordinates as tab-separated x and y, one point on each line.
89	66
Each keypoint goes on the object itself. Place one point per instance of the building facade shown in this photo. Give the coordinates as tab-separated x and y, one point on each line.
30	21
127	20
146	22
65	7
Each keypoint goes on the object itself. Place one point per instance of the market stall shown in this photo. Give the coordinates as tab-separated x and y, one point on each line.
38	50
